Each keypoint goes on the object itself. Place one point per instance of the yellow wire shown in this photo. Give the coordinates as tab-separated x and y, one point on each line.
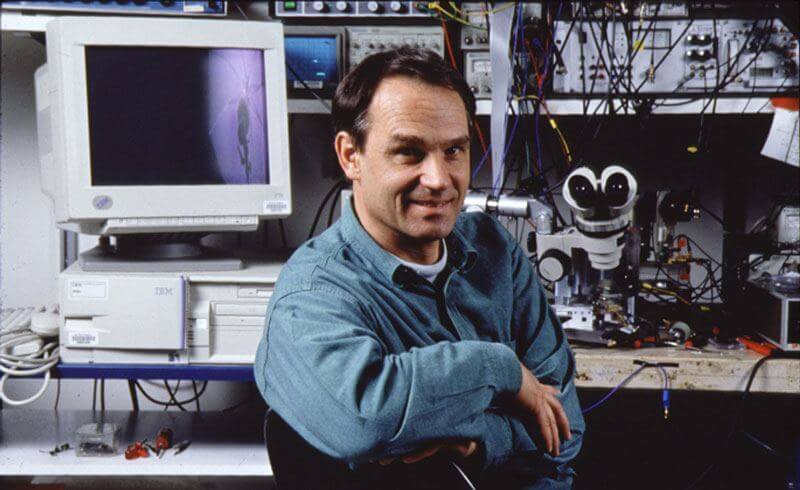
498	9
527	97
563	140
454	6
553	125
667	292
438	8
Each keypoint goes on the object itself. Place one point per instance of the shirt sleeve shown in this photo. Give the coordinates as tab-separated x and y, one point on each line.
328	375
509	444
542	347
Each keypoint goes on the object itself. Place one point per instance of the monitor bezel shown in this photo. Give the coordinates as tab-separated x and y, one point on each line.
66	42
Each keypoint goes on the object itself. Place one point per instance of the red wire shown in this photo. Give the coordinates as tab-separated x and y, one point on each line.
448	45
453	63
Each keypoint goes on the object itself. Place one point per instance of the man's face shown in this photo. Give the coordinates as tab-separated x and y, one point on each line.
413	170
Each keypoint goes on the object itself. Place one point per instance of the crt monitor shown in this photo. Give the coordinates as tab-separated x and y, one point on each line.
163	125
314	60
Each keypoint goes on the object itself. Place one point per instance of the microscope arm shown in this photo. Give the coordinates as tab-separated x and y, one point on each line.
517	206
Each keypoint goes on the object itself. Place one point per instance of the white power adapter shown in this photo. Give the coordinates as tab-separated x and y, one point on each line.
27	348
46	321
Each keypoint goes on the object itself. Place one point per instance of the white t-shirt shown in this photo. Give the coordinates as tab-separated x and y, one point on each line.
428	272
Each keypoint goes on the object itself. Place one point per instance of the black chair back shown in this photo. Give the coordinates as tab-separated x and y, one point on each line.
296	465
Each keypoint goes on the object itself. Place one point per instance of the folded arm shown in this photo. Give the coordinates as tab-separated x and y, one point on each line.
331	379
542	347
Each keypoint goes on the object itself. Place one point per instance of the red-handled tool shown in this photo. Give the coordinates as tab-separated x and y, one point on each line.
762	348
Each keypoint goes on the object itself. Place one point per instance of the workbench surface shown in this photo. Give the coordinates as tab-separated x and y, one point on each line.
709	370
222	444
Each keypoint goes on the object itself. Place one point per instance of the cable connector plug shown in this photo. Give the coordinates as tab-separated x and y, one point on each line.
27	348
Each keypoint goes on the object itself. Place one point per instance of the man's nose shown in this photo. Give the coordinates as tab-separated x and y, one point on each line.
435	173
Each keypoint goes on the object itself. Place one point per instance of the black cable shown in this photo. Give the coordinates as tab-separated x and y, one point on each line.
559	52
94	395
666	54
333	207
250	397
711	277
336	186
134	398
58	393
734	422
729	64
196	396
168	403
693	242
579	153
305	86
282	230
631	57
758	442
103	395
721	85
172	400
713	215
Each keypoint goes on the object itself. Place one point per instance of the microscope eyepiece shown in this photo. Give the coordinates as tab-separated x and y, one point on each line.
617	190
582	191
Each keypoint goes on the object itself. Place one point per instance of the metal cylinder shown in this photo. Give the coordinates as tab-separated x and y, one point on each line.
512	206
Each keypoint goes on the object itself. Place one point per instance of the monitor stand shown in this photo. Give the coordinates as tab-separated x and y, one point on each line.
157	253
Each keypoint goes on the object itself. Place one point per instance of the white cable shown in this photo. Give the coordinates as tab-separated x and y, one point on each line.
15	331
463	475
33	398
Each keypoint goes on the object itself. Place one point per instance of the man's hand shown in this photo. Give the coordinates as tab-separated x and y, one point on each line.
541	401
464	449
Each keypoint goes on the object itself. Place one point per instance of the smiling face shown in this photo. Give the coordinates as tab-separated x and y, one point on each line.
411	176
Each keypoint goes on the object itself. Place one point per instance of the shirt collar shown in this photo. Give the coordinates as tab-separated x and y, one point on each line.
460	254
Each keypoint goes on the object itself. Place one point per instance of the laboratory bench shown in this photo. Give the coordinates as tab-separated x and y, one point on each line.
222	444
597	367
232	444
707	370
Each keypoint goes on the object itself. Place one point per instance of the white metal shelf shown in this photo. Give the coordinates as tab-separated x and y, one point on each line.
222	445
18	22
574	107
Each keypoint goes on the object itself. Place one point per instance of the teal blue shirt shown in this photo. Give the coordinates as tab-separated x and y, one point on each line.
365	359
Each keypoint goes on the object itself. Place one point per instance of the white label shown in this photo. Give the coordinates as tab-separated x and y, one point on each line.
781	141
310	83
87	289
273	207
83	338
482	66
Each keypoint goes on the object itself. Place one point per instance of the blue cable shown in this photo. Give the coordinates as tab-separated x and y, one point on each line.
483	160
616	388
664	391
548	54
508	97
489	147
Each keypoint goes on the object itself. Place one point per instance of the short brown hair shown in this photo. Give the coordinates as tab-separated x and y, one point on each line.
354	93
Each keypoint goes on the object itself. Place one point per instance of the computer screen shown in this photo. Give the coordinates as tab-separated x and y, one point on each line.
314	59
211	131
163	125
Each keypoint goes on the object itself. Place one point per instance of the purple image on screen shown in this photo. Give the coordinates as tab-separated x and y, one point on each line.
237	108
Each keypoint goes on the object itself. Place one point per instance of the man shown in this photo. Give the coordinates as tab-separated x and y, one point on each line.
409	334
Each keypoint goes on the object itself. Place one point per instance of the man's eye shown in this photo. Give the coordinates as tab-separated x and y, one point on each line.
454	150
410	152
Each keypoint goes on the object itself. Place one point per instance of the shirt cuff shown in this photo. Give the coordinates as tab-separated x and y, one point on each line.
498	440
503	367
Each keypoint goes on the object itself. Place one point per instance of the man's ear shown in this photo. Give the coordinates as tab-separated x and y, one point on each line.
348	155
